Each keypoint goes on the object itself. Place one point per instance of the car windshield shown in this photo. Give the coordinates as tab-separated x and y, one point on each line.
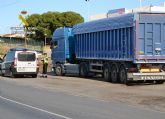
26	56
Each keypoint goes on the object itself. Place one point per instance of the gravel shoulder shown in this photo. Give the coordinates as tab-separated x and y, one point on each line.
144	95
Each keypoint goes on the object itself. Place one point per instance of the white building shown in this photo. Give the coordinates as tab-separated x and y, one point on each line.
117	12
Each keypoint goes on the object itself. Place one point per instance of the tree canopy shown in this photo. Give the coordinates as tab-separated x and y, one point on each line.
46	23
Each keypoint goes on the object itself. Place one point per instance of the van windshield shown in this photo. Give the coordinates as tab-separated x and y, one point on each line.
26	56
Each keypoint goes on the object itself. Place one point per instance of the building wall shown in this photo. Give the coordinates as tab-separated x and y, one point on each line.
142	9
98	16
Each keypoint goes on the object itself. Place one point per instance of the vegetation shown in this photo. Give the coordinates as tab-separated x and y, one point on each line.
46	23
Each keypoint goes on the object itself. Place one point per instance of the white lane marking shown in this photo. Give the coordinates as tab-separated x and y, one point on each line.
29	106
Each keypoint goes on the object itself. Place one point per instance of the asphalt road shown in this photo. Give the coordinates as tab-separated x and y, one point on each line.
27	102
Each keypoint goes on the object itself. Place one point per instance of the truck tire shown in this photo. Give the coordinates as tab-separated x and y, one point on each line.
114	74
59	70
123	75
83	70
106	72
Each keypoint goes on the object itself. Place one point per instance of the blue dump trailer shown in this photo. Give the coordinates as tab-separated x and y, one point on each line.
126	48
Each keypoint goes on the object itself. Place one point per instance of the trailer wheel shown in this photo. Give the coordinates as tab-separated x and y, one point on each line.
123	75
83	70
59	70
114	74
106	72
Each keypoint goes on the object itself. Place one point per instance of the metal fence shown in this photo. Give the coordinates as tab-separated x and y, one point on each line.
7	43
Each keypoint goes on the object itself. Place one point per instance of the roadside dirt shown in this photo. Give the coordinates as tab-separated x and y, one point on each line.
146	95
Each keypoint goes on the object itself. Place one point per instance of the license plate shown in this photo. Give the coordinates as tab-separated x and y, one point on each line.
26	69
20	69
152	77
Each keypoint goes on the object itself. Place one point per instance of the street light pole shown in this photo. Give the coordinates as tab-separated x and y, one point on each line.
25	30
140	3
88	9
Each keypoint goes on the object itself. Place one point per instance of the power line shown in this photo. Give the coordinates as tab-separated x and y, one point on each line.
9	4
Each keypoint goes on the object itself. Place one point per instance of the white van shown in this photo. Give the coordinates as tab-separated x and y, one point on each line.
19	62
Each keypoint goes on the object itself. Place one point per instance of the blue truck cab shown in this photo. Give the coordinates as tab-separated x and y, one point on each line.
63	49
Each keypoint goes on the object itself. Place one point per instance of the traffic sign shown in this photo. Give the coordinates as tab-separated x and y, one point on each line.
23	20
23	12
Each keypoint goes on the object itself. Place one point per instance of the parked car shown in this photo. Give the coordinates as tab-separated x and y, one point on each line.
19	62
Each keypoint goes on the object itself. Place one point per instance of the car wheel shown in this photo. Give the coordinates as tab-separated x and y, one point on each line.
34	76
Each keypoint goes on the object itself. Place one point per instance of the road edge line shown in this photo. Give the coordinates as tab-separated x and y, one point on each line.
29	106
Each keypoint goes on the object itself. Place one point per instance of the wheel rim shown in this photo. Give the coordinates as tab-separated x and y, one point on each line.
58	70
122	76
82	71
106	74
114	74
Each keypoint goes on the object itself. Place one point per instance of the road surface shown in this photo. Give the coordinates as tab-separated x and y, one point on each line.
28	102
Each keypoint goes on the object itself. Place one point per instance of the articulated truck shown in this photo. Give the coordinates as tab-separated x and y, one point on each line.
122	49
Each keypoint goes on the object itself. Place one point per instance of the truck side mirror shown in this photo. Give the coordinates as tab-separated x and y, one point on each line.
51	45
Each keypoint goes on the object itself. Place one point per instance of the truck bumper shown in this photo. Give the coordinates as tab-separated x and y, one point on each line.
146	76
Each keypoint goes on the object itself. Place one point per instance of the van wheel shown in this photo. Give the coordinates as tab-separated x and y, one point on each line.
21	76
83	70
114	75
123	75
106	72
59	70
34	76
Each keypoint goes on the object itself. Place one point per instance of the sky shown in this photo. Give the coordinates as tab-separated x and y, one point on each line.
10	9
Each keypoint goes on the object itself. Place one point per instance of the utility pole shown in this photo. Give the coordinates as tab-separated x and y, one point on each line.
10	36
26	25
25	30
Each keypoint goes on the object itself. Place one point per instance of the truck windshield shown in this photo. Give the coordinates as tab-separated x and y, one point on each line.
26	56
